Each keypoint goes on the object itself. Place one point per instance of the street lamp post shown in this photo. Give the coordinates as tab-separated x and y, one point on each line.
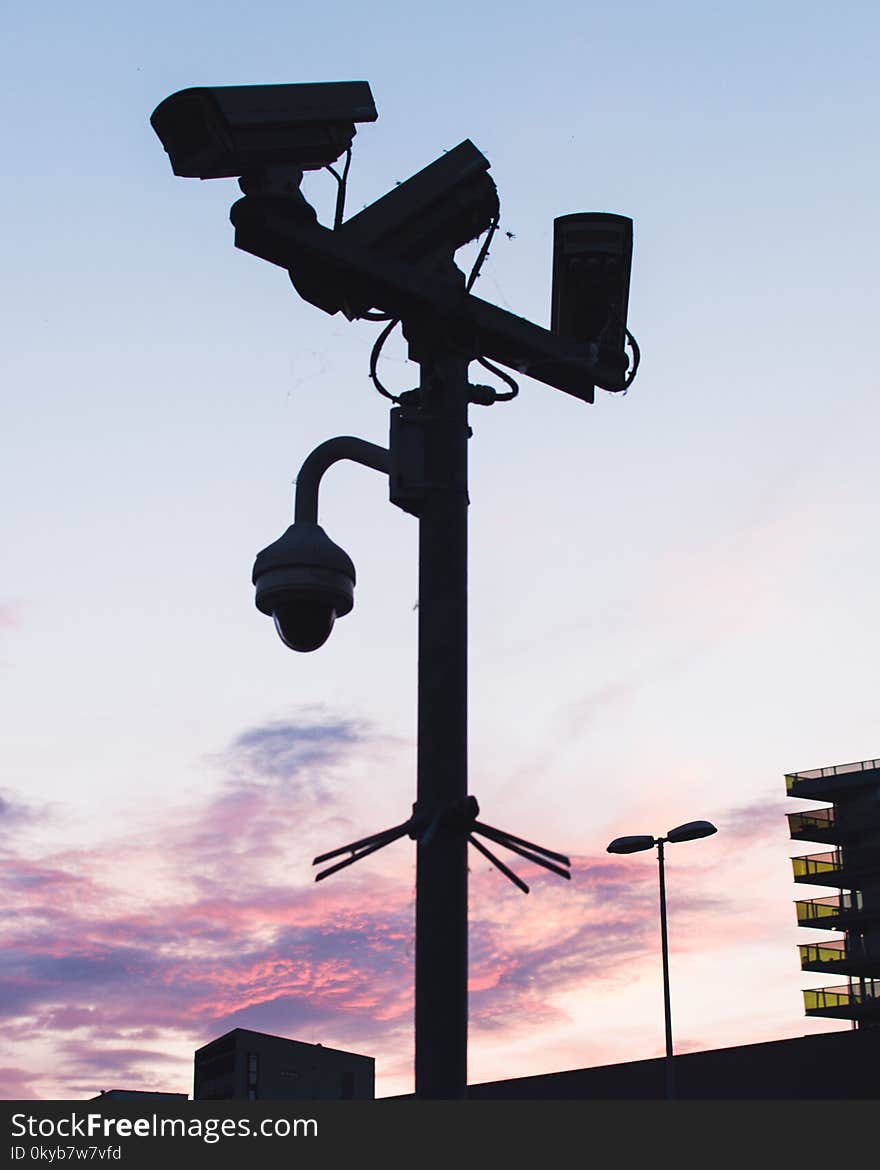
687	832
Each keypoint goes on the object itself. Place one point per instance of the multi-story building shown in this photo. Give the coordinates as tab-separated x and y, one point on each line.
851	825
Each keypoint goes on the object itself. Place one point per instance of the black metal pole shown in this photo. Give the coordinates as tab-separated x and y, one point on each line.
441	959
664	946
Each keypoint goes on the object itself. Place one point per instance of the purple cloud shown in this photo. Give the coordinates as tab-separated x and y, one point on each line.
17	1084
759	820
14	813
286	751
236	933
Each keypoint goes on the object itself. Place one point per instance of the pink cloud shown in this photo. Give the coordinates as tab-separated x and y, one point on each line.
104	967
11	615
16	1084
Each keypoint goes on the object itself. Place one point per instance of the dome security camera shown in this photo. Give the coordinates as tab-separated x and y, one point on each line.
304	582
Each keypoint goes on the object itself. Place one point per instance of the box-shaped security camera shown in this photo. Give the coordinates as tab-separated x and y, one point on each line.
224	131
592	261
443	206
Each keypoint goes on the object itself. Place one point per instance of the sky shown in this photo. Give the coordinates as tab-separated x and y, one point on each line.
671	591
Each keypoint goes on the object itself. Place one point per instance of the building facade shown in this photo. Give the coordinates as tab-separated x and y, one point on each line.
850	823
255	1066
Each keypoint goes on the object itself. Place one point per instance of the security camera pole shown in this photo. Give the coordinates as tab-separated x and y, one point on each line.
441	960
394	261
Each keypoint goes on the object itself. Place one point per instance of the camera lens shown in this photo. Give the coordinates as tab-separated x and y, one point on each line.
304	625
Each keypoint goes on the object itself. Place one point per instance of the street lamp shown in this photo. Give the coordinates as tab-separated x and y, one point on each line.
687	832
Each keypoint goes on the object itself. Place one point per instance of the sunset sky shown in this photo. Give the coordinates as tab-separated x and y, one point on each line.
673	593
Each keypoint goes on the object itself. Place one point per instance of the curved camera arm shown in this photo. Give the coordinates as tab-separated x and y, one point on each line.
324	456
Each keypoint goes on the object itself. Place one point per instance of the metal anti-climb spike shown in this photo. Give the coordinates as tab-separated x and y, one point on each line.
392	834
512	843
359	849
489	831
508	873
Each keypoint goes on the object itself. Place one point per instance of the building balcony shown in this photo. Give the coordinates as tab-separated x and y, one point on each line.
847	869
831	783
818	825
821	869
843	957
859	1000
839	912
832	827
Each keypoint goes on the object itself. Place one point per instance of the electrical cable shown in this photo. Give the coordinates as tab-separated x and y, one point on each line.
637	357
340	192
483	253
613	320
371	315
342	180
374	358
505	377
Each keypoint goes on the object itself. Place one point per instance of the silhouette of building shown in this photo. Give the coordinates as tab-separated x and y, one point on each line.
255	1066
851	823
143	1096
831	1066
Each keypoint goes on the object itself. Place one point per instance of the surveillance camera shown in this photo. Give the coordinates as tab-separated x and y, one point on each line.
222	131
443	206
304	582
592	260
436	211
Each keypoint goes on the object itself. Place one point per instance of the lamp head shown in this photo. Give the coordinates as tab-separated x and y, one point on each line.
630	844
691	831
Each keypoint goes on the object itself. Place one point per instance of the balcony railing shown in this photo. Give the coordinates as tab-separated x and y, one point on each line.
826	952
825	912
851	867
816	864
849	956
854	999
793	778
801	824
